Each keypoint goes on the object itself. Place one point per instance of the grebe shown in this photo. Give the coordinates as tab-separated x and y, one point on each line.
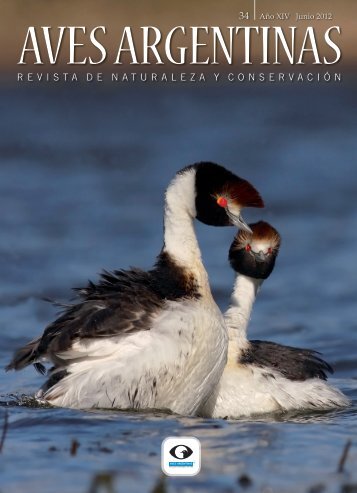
263	377
151	339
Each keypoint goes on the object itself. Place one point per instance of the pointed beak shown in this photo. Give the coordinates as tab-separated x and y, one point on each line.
240	223
237	220
260	257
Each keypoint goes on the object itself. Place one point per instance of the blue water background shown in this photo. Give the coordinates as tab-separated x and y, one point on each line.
83	171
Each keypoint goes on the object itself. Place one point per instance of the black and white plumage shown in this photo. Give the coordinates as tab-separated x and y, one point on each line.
151	339
295	364
262	377
122	302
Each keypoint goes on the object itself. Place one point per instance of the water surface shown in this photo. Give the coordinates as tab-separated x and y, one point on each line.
82	177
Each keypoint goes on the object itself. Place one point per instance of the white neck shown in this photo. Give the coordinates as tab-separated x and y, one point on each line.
180	240
238	314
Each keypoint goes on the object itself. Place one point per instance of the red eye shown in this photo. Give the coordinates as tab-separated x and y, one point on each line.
222	201
270	250
248	247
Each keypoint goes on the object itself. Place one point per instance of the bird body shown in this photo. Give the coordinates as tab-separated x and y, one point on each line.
151	339
148	368
264	377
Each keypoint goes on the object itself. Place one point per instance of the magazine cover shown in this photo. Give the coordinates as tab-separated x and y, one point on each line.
178	236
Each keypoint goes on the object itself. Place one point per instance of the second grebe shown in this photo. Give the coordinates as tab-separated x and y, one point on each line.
263	377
